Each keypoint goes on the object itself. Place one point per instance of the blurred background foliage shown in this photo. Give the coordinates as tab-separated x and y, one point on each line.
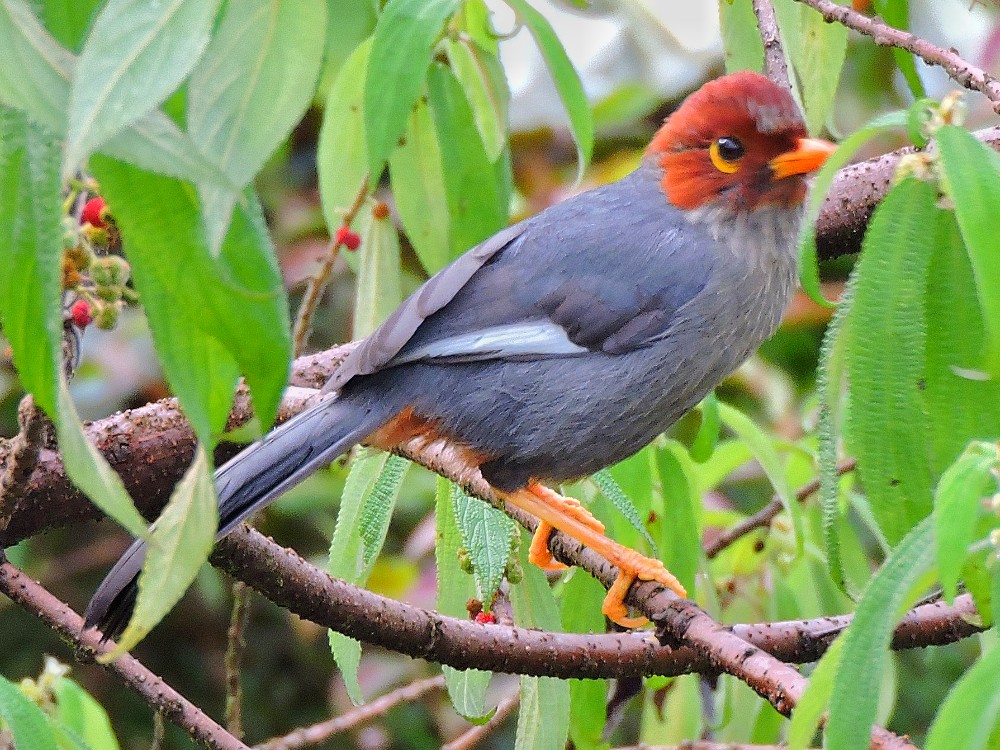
555	115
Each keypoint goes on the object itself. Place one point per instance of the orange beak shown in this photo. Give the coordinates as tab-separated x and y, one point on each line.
807	156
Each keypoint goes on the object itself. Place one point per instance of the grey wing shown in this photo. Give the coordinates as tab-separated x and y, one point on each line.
385	342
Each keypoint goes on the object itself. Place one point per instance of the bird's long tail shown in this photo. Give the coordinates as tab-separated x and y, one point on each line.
248	482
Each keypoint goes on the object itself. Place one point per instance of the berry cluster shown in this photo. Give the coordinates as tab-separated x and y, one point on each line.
96	281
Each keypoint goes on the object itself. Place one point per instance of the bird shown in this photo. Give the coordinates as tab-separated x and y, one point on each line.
567	342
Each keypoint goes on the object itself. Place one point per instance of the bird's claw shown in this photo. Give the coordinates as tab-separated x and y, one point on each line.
631	566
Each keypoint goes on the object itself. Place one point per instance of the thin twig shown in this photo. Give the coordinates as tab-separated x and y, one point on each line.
474	735
955	66
236	645
775	66
313	735
318	282
87	646
763	517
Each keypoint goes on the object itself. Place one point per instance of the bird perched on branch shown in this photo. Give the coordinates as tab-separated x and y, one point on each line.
567	342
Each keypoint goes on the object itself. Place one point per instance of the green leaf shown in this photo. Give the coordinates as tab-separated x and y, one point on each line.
478	200
136	54
26	721
90	471
347	558
487	534
34	69
341	154
378	507
959	407
250	88
543	718
896	13
808	263
418	185
404	40
78	712
30	244
814	701
855	694
972	179
830	386
681	507
623	503
351	22
582	596
762	447
179	542
466	688
220	315
34	77
707	438
969	713
485	88
957	504
69	20
819	58
887	422
379	287
741	44
568	84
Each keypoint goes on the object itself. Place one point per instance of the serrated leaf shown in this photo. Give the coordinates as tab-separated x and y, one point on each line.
27	723
379	288
136	54
418	185
218	317
401	53
566	79
487	534
341	156
854	699
466	688
478	201
30	245
972	179
887	425
957	504
90	471
969	713
830	386
378	508
543	717
763	450
80	713
681	507
347	558
485	88
250	88
178	543
614	493
808	264
741	44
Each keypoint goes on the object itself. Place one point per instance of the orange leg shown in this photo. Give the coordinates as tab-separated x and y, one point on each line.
566	514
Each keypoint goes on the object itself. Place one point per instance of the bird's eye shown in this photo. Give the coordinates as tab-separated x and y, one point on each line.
726	153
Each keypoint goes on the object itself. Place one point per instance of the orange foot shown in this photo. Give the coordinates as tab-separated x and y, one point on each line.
566	514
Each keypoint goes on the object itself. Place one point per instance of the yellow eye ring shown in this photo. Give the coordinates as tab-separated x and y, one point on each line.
726	154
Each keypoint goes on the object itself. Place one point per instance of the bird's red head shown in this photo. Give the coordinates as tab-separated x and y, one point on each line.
738	140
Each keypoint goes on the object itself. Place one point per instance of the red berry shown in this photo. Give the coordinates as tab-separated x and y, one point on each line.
486	618
347	238
93	211
81	313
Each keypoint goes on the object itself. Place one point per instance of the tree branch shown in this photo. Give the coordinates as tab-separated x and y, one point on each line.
474	735
775	66
86	645
958	69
